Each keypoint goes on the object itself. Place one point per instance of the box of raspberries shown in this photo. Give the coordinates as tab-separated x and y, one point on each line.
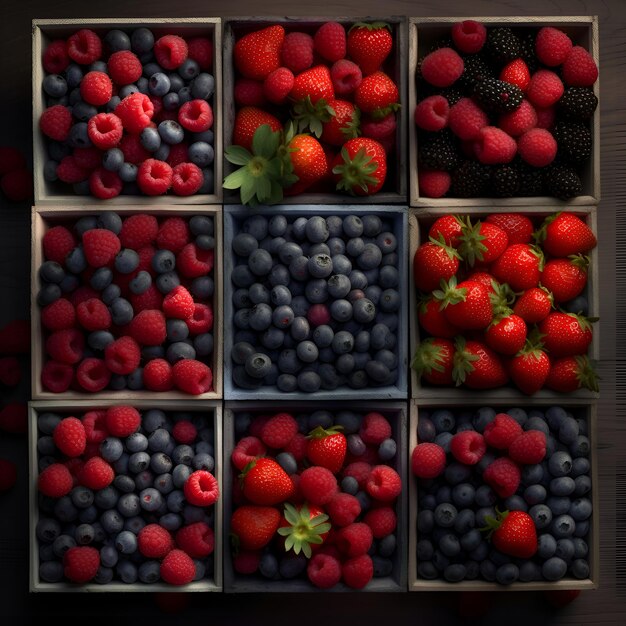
314	110
504	111
504	304
314	497
127	111
125	497
126	304
503	496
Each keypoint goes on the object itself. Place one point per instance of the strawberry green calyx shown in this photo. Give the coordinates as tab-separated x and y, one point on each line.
382	112
303	530
320	433
356	171
370	26
352	128
586	374
538	252
584	322
581	261
493	523
428	357
502	297
534	341
472	246
449	293
310	116
541	233
452	253
462	361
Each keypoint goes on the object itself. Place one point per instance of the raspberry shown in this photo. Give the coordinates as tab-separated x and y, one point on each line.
173	234
545	88
516	73
246	450
105	184
545	117
516	123
93	375
68	171
466	119
279	430
355	539
375	428
382	521
81	563
192	376
324	571
57	243
17	185
379	129
11	159
94	423
469	36
346	76
100	246
15	337
55	122
343	509
330	41
196	116
178	303
133	151
196	539
184	432
122	421
200	49
318	485
432	113
150	299
502	431
56	377
468	447
552	46
69	436
55	58
179	153
82	294
177	568
519	228
187	179
503	476
123	355
96	473
158	375
170	51
88	158
96	88
537	147
105	130
138	231
201	488
360	471
84	47
246	561
442	67
579	68
148	327
193	262
93	314
157	103
434	183
357	572
135	111
154	177
66	346
10	371
529	448
154	541
8	474
428	460
383	483
249	92
297	52
278	85
494	146
55	481
124	67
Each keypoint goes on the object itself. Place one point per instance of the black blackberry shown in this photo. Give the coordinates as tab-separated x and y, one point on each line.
498	96
527	52
442	42
574	141
503	45
475	69
470	180
505	181
452	94
530	180
563	182
437	151
577	104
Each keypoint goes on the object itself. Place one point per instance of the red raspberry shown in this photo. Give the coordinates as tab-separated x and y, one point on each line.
246	561
503	476
378	129
330	41
357	572
196	539
434	183
84	47
17	185
154	177
150	299
279	430
154	541
545	88
360	471
552	46
192	376
196	116
55	481
8	474
201	488
56	377
467	119
346	76
278	85
93	314
68	171
494	146
93	375
104	184
432	113
123	355
100	246
96	88
187	179
14	418
133	151
105	130
148	328
545	117
124	67
537	147
382	521
10	371
170	51
519	228
157	103
57	243
138	231
256	425
579	68
82	294
184	432
135	111
343	509
179	153
468	447
123	420
375	428
178	303
69	436
469	36
200	49
173	234
297	51
249	92
11	159
355	539
96	473
94	423
246	450
177	568
502	431
66	346
55	122
529	448
158	375
193	262
521	120
442	67
88	158
81	563
55	58
318	485
516	73
324	570
384	483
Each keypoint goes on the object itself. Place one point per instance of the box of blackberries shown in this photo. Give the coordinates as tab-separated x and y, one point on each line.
125	497
503	111
127	111
503	496
315	303
126	303
315	497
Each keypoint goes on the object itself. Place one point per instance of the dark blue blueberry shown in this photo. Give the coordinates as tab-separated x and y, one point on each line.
483	417
537	423
48	294
201	153
580	447
117	40
541	515
372	225
443	440
121	311
203	86
579	305
554	569
171	132
582	485
580	569
126	261
258	365
159	85
370	257
445	515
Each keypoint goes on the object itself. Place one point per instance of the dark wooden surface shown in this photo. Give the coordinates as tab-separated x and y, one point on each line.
607	605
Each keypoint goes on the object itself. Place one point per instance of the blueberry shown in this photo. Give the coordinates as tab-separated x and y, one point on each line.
581	549
258	365
426	570
362	343
171	132
370	257
546	546
378	336
341	264
316	229
338	286
537	423
482	514
51	272
83	111
541	515
287	382
51	571
50	170
282	316
387	242
316	291
73	75
483	417
507	574
580	569
343	342
323	336
203	86
201	153
445	514
532	474
159	84
565	549
48	294
79	138
178	351
203	461
568	430
471	539
121	311
562	486
554	569
279	275
279	295
443	440
580	447
352	226
560	464
516	503
425	429
449	545
463	493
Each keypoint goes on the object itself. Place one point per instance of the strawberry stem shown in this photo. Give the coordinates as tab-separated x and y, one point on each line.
303	530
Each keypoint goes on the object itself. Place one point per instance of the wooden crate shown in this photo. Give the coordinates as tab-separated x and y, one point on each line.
213	412
583	30
46	30
43	218
420	221
396	413
394	191
579	409
233	216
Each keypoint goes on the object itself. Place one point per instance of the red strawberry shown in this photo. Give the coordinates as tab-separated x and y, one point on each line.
506	334
265	482
361	167
257	54
533	305
377	95
314	83
433	361
304	528
247	120
477	366
308	161
513	533
327	447
529	368
433	262
483	242
253	527
519	266
369	45
450	227
433	320
572	373
518	228
565	278
466	305
485	278
563	234
566	334
343	125
516	72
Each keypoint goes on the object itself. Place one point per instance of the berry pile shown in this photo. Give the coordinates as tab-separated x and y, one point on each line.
314	112
125	496
316	497
502	497
127	303
317	303
129	113
498	308
504	112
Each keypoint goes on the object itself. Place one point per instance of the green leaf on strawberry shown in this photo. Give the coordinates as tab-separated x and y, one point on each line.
311	115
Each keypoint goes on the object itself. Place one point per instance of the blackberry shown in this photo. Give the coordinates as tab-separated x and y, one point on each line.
470	180
574	141
527	52
503	45
452	94
577	103
498	96
563	182
530	181
438	151
442	42
505	181
475	69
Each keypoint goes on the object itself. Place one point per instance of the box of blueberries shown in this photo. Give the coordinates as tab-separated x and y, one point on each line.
128	496
127	110
316	303
506	498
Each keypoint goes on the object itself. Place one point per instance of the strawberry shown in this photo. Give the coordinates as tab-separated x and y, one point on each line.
308	161
466	305
369	45
529	368
485	278
247	120
433	361
327	447
516	72
563	234
566	334
343	123
565	278
314	83
433	262
519	266
450	227
533	305
572	373
253	527
265	482
477	366
518	228
483	242
304	528
513	533
257	54
361	167
377	95
433	320
506	334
